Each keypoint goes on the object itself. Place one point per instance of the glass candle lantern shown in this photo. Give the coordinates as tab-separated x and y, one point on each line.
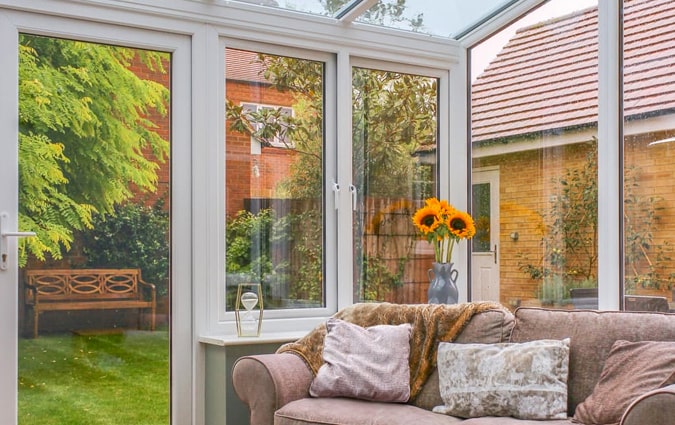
248	309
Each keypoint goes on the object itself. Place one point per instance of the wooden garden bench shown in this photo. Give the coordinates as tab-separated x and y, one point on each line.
88	289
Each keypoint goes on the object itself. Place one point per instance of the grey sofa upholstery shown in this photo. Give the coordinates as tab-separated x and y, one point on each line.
275	387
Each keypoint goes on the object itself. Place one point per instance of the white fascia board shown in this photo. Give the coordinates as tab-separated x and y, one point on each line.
631	128
260	24
521	144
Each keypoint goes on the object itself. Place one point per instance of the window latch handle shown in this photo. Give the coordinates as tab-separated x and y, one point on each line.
352	190
336	194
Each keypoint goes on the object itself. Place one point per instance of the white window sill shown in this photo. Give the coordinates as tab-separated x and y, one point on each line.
264	338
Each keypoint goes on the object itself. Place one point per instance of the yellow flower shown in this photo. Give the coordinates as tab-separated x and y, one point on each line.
442	207
427	220
443	226
461	225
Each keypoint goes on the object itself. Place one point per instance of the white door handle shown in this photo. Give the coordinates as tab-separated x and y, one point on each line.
4	243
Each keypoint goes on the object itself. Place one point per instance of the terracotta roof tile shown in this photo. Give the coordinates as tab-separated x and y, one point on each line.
242	65
545	78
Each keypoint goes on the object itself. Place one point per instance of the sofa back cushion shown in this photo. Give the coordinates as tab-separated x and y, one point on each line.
592	335
487	327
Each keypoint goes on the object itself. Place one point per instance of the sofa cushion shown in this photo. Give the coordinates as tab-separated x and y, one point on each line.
631	370
492	420
592	334
344	411
366	363
526	381
487	327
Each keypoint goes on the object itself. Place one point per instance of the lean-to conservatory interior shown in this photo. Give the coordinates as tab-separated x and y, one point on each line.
160	158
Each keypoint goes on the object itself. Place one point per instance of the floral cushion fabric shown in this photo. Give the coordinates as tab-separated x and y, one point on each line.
632	369
526	380
365	363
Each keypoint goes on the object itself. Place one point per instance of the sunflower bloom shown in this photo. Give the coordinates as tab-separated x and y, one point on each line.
427	220
461	225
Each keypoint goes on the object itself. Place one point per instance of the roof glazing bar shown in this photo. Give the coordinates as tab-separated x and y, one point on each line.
353	10
468	30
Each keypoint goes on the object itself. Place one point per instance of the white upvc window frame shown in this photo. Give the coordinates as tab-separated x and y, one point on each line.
445	145
382	49
282	320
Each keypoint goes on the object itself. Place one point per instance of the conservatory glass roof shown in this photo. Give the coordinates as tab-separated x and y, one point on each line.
444	18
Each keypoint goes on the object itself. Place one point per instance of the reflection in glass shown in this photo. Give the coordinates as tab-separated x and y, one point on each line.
446	19
534	120
274	178
394	170
481	213
649	156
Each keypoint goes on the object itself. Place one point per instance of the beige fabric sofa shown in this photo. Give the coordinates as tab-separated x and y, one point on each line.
275	386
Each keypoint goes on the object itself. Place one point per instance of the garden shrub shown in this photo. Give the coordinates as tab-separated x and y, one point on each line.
134	236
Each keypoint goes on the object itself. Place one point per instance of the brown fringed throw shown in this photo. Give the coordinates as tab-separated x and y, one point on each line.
431	323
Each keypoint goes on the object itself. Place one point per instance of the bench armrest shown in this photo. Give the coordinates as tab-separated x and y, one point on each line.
30	294
267	382
150	286
656	407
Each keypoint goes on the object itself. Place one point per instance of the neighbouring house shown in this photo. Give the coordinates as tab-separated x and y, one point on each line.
534	116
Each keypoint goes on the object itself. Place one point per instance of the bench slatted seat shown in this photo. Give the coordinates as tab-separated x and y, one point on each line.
88	289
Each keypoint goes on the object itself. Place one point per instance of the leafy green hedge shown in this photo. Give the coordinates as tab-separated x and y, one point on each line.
136	236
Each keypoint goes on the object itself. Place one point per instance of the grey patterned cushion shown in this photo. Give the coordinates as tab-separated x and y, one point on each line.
365	363
526	380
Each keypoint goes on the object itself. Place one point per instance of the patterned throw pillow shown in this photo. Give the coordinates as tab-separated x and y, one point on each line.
365	363
631	369
526	380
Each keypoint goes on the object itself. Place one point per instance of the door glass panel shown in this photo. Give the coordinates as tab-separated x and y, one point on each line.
534	119
481	212
394	171
94	184
649	157
274	178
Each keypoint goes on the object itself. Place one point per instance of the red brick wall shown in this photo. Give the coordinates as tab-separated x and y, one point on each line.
242	182
247	175
163	128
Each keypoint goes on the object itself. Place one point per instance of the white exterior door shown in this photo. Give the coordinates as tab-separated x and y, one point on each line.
12	25
485	246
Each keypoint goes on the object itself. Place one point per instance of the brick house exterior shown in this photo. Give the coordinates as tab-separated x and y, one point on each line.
535	108
250	171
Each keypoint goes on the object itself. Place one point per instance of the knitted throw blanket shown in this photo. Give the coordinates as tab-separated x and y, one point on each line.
431	323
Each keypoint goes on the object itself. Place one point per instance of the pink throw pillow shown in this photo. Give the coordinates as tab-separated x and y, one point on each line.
364	363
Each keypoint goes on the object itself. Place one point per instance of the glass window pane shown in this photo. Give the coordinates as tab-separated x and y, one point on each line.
446	18
315	7
534	127
394	170
649	155
481	215
95	184
274	178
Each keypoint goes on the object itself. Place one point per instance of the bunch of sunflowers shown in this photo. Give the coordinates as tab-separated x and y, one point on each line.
442	225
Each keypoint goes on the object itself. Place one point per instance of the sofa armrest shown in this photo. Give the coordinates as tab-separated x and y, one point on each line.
267	382
656	407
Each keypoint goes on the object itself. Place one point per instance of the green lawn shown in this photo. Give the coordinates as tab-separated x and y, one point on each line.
114	379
